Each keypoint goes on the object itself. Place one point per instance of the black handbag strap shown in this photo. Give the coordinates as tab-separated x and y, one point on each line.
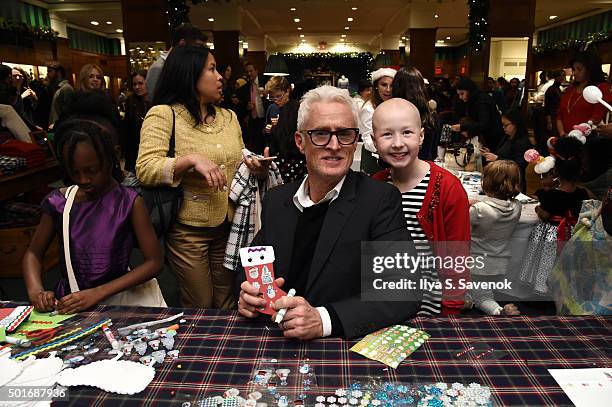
172	138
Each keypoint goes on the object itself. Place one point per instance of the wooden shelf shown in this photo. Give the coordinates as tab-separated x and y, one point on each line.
29	180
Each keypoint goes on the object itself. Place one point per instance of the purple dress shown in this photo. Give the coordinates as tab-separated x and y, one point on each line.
101	237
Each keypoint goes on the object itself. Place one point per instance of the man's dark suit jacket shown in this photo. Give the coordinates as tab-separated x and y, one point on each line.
244	95
365	210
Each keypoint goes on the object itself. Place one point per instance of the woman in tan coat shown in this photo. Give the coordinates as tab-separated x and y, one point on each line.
208	144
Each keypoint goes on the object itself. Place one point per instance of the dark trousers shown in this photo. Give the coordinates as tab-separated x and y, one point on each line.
255	140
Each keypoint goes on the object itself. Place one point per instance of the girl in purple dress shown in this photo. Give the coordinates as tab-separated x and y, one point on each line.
106	220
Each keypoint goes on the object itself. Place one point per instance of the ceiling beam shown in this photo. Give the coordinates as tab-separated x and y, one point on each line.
570	20
97	6
258	25
401	11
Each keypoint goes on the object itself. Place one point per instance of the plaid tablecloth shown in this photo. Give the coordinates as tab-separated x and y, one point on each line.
220	350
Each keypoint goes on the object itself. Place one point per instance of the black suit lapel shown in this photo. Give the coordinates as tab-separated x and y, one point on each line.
286	233
337	215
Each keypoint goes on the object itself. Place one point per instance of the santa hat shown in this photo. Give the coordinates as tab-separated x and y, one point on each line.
376	75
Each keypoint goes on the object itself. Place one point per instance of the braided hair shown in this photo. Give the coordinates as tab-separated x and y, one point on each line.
96	131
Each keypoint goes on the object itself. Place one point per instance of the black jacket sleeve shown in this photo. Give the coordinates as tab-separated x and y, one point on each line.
359	317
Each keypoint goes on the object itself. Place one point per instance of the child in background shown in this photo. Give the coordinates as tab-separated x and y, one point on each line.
105	220
493	221
559	203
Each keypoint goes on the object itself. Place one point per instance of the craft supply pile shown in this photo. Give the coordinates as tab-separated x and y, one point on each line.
45	350
370	392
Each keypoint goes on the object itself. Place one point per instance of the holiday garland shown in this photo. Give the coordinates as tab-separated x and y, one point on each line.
24	31
363	60
477	16
583	43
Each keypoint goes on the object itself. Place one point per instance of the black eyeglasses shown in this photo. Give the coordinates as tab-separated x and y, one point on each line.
277	98
321	138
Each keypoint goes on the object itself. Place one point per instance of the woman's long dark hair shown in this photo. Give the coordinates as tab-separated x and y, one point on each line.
375	97
516	117
178	80
470	86
592	63
409	84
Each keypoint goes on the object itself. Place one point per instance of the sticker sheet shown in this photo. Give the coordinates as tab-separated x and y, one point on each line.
16	317
258	264
391	345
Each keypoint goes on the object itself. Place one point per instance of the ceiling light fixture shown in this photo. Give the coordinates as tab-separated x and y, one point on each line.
354	8
301	35
343	35
448	38
552	17
300	28
292	9
109	22
342	39
119	30
347	28
211	19
436	16
349	19
296	20
95	23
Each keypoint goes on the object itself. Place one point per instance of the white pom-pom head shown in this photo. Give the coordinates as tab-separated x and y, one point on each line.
592	94
545	165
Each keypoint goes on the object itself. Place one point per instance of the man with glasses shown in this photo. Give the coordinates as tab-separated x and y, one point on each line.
316	227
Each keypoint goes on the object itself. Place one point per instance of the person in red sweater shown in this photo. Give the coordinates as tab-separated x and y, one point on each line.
574	109
435	203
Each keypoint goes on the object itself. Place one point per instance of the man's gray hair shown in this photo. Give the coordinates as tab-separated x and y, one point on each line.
325	94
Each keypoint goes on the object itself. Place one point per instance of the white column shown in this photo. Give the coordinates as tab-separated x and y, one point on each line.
122	41
58	24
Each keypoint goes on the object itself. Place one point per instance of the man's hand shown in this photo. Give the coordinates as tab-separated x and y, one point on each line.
28	93
510	309
490	157
79	301
302	320
250	299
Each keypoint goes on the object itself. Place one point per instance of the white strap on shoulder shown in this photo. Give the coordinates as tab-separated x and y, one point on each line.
70	195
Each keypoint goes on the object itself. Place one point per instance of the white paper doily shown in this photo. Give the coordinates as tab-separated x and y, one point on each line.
115	376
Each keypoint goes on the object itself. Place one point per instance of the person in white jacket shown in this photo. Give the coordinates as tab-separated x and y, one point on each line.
493	220
381	91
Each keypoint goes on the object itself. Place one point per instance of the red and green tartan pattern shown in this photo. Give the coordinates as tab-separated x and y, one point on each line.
220	350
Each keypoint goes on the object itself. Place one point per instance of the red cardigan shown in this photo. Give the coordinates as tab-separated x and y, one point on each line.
445	217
